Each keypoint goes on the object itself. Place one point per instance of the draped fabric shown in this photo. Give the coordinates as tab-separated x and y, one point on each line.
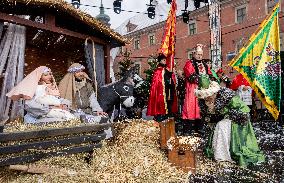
12	58
100	65
26	89
221	140
113	53
89	52
99	62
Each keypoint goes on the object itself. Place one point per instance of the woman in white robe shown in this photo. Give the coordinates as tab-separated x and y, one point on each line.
42	97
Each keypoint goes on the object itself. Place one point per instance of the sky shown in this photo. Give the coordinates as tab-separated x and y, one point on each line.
116	19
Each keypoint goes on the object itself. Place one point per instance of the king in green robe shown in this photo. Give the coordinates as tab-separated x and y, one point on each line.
233	138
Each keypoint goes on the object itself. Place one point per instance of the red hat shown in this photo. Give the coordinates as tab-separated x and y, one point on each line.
220	71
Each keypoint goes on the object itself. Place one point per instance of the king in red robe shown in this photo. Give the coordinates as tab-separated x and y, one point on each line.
194	70
163	98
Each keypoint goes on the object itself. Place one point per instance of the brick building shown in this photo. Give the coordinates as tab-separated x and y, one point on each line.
239	19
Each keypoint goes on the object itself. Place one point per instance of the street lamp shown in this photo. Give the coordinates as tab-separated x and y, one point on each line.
197	3
76	3
185	16
117	6
151	10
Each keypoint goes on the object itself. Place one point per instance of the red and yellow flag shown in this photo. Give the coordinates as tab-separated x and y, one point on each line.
169	38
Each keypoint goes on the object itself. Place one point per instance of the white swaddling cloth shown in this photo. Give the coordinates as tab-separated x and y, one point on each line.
40	97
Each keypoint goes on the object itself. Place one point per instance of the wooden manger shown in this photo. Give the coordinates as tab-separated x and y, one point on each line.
30	146
181	155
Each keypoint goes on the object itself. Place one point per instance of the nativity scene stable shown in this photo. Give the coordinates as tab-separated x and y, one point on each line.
54	34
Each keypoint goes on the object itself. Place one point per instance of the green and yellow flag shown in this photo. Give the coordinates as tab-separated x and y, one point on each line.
259	62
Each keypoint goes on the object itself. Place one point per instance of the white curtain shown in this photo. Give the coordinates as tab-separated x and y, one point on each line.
113	53
12	59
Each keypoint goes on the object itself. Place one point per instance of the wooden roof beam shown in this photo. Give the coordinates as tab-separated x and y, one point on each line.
47	26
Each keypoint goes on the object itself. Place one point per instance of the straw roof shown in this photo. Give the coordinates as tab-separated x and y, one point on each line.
63	6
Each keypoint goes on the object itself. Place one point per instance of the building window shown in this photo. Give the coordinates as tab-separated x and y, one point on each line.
137	68
192	28
241	13
230	55
270	5
151	39
240	44
130	27
190	54
136	44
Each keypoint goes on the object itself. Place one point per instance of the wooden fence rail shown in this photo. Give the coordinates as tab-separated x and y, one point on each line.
30	146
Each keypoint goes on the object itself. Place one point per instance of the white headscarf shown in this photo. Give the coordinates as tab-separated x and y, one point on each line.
27	87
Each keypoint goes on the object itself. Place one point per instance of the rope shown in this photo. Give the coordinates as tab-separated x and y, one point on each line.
120	96
94	64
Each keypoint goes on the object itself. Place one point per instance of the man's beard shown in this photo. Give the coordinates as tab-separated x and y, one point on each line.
79	79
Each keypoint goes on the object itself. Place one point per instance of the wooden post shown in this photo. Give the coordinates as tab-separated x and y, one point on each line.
107	62
167	130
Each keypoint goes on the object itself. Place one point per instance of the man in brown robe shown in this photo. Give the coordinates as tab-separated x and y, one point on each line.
77	87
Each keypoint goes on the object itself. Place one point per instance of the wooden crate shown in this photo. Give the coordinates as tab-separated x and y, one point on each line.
184	159
167	130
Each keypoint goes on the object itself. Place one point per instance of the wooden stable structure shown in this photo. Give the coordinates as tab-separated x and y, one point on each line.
180	155
50	33
56	32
